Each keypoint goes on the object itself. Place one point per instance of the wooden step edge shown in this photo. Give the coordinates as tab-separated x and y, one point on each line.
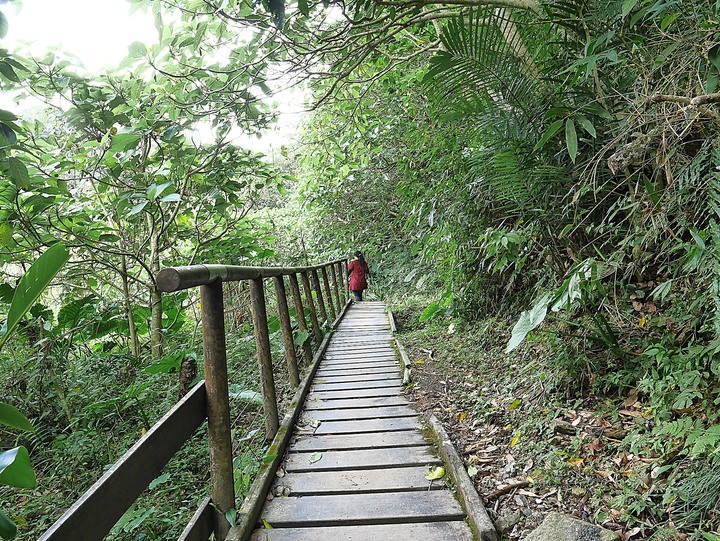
445	517
365	467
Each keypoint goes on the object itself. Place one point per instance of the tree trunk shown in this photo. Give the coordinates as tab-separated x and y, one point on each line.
132	328
156	338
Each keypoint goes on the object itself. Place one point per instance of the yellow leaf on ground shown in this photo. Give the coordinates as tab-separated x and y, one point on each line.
436	473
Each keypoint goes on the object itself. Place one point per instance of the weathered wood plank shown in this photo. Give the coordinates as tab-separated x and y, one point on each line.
431	531
394	364
359	393
389	368
360	413
200	527
350	386
94	514
316	404
361	459
405	438
358	509
346	378
358	481
369	425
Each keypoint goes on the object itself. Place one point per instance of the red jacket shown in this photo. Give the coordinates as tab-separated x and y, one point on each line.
358	273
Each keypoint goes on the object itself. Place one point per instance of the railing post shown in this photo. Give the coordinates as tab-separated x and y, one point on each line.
345	279
319	294
288	342
300	316
218	404
336	287
262	343
311	305
328	294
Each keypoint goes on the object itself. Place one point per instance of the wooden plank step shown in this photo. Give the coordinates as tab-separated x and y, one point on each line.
320	386
368	425
347	378
358	481
363	459
360	413
361	355
355	393
406	438
369	346
428	531
316	404
360	509
384	365
380	359
389	368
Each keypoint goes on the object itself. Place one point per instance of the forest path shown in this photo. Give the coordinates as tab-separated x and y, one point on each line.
356	468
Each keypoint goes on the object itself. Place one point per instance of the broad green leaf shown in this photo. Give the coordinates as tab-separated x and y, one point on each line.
171	198
472	471
8	134
529	320
303	7
164	478
137	49
8	530
15	469
571	139
268	459
19	173
437	472
137	208
627	7
552	130
8	72
587	125
10	416
6	235
32	284
155	190
429	311
314	457
515	404
231	516
301	337
7	116
122	142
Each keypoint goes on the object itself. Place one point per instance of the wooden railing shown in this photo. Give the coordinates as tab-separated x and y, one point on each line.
92	517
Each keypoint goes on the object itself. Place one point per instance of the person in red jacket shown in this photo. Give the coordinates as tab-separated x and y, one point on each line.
358	271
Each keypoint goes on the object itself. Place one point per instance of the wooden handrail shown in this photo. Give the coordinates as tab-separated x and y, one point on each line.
172	279
99	509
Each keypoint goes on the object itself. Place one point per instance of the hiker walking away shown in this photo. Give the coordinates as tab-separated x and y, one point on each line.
358	271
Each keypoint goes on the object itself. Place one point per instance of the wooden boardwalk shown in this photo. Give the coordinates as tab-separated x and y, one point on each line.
356	468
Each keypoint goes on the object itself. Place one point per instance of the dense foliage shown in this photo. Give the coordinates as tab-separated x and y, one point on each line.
555	163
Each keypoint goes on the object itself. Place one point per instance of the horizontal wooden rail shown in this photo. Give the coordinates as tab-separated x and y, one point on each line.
96	512
176	278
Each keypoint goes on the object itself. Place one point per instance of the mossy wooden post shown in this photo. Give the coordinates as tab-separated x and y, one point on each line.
300	315
311	305
328	295
262	344
334	271
218	404
319	294
288	342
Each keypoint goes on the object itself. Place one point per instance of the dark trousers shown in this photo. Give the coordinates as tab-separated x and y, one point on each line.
358	294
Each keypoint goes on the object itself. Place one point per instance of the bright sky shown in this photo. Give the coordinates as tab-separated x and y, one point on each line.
96	31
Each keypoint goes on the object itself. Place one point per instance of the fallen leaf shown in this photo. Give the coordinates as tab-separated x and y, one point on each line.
472	471
267	525
437	472
515	440
314	457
